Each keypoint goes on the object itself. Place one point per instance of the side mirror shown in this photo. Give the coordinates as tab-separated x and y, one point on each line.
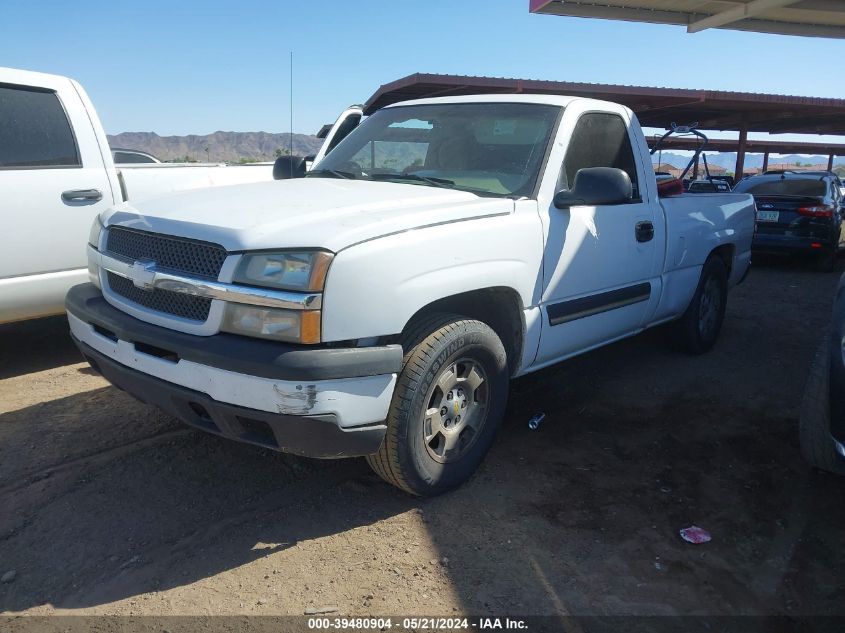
288	167
595	186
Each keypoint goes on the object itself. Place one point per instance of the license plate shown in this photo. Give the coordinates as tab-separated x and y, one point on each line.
768	216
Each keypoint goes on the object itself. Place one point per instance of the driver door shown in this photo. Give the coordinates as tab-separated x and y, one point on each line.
599	264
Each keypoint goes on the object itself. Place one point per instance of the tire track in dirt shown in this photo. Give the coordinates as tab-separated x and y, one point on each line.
91	459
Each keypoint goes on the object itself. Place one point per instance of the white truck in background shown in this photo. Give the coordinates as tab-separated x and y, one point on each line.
56	175
379	305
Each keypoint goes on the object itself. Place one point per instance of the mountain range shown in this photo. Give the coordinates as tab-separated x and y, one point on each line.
230	147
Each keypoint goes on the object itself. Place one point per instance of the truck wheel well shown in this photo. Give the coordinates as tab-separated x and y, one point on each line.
500	308
726	254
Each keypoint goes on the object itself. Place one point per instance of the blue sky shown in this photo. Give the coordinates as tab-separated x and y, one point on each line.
194	67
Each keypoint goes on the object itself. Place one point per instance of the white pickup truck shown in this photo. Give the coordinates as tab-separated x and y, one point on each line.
379	305
56	175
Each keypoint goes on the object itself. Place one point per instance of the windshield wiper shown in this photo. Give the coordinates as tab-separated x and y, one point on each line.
436	182
333	173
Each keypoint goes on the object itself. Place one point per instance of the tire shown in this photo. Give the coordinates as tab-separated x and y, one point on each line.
826	261
444	354
814	421
698	328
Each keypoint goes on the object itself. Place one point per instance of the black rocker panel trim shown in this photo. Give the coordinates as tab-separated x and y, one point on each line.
567	311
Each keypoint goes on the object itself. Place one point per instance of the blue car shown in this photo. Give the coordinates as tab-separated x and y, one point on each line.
798	213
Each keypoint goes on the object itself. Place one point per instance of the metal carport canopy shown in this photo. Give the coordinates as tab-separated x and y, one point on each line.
752	146
655	107
755	147
813	18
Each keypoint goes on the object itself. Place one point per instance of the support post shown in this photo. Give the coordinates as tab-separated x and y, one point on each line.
830	163
765	161
740	153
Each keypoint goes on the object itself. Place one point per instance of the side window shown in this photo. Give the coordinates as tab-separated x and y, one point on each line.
34	130
599	140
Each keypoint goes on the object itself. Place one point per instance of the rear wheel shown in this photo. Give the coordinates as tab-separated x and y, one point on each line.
698	329
448	403
814	422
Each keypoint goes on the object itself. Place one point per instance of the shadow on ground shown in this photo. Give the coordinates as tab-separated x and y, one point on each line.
150	505
582	516
31	346
105	499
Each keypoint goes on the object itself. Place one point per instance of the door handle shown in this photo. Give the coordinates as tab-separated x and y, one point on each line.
644	231
93	195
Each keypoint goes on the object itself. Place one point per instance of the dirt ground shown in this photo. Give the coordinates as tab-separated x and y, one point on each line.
110	507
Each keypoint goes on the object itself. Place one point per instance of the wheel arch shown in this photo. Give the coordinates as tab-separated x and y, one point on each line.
725	252
500	307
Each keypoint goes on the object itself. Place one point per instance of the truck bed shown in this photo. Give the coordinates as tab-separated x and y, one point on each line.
144	181
698	224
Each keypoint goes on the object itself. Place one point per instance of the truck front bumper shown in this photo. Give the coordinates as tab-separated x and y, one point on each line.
317	402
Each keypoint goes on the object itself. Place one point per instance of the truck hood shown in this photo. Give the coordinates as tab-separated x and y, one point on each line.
302	213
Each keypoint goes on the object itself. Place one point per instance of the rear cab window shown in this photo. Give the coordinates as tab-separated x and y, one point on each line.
34	130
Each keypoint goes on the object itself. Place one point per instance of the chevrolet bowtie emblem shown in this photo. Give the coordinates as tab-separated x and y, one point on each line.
143	274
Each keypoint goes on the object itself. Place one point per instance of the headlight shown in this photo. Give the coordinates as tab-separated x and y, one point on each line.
293	326
303	271
95	232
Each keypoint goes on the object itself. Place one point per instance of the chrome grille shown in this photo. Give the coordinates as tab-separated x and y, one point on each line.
200	259
175	303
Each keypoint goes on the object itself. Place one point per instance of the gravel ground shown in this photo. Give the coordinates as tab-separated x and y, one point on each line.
110	507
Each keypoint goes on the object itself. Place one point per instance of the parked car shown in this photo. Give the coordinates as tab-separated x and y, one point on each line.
379	305
56	175
132	156
822	419
799	213
709	186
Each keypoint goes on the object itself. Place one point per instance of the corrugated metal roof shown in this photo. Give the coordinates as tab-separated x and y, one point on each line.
813	18
655	107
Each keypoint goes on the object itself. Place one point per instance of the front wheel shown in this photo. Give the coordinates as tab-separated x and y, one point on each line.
698	329
449	400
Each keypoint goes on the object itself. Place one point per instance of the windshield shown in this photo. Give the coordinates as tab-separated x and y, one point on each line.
486	148
783	187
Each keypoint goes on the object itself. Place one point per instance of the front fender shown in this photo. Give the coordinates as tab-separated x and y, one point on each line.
374	288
